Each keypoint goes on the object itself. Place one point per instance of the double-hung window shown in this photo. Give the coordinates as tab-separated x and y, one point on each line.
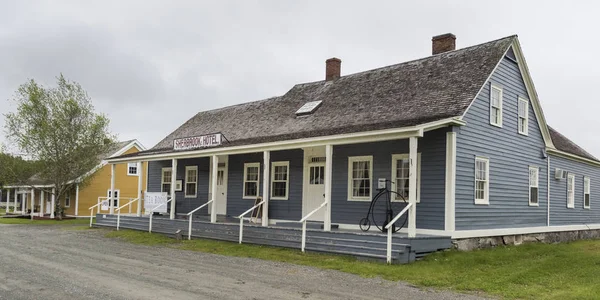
400	177
534	176
571	191
166	180
191	181
496	105
67	200
251	180
523	116
132	169
360	170
586	192
280	180
482	180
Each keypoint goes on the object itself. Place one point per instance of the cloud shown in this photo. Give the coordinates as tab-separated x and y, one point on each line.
151	65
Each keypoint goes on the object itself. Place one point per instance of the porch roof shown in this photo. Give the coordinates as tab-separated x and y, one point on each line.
412	93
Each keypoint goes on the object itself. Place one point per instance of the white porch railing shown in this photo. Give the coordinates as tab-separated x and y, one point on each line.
389	231
152	213
92	212
241	217
303	221
191	215
119	211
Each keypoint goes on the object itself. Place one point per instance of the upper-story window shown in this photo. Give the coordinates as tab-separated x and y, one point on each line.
132	169
496	106
523	116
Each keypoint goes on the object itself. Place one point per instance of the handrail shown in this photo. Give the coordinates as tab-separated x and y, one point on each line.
152	213
241	217
92	213
119	211
190	216
303	221
389	231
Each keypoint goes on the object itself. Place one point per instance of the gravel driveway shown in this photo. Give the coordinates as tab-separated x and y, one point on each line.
49	262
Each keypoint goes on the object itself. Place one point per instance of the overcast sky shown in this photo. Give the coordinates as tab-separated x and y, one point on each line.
151	65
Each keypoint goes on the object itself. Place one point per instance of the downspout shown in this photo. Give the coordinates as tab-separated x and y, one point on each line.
548	190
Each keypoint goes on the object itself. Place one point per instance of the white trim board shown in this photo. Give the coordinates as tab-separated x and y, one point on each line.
340	139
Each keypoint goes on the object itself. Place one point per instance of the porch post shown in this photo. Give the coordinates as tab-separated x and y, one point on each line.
32	203
328	175
23	202
77	199
53	208
213	189
173	182
412	187
15	200
112	189
266	181
42	202
139	193
450	181
7	199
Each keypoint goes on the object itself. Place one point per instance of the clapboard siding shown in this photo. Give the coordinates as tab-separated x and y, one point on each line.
290	209
559	213
510	155
431	209
183	205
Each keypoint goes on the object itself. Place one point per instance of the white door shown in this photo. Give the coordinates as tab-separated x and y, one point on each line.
221	196
222	191
315	191
116	200
48	203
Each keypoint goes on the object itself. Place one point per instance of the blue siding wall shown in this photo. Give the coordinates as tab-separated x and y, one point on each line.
510	155
559	213
431	209
183	204
290	209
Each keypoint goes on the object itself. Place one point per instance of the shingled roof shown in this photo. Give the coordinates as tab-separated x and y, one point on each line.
410	93
564	144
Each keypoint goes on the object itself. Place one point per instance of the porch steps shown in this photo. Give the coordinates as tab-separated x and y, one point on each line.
370	245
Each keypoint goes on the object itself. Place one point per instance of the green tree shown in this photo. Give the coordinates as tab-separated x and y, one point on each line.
15	170
58	128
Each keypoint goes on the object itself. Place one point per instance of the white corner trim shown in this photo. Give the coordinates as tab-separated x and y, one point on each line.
450	203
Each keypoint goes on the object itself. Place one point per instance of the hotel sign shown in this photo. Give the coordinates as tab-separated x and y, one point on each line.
198	142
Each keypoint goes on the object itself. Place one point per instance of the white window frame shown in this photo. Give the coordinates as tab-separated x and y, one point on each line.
486	200
536	185
162	179
587	189
287	181
68	196
352	159
571	193
131	165
525	129
246	166
185	193
499	89
395	158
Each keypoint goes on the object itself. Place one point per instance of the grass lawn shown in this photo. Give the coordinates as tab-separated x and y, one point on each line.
530	271
43	222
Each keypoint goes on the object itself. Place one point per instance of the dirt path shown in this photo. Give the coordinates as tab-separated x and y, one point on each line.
85	265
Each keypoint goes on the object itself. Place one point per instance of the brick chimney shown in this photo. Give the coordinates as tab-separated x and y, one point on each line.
333	68
443	43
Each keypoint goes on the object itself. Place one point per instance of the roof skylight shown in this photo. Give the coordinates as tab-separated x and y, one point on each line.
308	108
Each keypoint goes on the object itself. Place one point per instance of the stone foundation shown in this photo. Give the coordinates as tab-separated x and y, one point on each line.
547	237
